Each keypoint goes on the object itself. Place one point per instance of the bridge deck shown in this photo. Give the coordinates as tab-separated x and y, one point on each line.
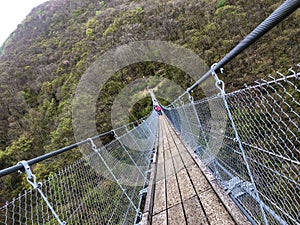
182	190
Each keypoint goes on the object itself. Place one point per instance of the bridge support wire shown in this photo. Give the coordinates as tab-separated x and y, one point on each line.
105	186
189	133
96	150
221	86
191	99
253	140
31	179
125	149
282	12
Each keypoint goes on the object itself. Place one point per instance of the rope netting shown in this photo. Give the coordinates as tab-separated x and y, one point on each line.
250	140
104	187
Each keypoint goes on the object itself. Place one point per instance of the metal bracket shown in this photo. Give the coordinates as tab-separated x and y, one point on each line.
29	173
213	66
144	191
94	147
219	83
231	184
237	187
191	98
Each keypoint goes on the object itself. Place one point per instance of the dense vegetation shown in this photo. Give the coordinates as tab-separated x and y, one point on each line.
43	60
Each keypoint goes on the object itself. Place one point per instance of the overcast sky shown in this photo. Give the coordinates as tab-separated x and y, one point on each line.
12	13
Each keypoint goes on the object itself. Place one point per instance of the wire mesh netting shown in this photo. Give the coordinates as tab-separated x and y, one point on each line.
101	188
264	124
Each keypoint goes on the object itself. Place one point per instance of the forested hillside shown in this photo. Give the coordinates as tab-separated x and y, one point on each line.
42	61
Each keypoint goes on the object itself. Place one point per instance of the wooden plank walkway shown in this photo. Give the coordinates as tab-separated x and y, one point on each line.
182	190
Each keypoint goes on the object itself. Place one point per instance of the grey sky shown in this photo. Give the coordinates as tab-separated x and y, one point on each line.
12	13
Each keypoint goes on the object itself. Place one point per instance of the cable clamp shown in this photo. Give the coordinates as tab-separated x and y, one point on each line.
219	83
31	178
38	186
94	147
222	70
191	98
115	134
212	68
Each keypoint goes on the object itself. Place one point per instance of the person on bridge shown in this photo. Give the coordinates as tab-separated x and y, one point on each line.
157	108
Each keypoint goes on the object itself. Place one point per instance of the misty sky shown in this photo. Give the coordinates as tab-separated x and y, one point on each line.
12	13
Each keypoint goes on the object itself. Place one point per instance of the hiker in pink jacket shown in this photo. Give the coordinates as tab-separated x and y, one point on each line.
157	108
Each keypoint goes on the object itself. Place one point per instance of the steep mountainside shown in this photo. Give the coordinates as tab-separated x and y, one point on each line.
43	60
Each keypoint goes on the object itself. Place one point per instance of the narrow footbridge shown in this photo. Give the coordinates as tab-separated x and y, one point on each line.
182	190
228	158
232	158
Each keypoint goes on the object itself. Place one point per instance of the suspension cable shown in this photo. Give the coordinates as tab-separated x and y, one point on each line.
38	159
46	156
283	11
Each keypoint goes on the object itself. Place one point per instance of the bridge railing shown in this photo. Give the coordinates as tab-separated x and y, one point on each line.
250	140
106	186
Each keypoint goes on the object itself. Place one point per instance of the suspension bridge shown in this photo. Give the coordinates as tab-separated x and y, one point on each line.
231	158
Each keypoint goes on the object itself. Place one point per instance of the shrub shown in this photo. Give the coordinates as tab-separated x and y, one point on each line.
221	3
89	32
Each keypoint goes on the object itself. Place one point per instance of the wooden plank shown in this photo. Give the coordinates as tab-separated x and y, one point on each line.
160	156
178	164
160	171
180	186
185	155
194	212
176	215
149	199
160	219
145	219
171	143
169	168
177	140
166	146
234	211
221	219
185	185
214	209
199	181
159	197
167	154
173	195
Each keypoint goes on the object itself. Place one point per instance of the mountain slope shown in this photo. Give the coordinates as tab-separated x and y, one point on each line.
43	60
